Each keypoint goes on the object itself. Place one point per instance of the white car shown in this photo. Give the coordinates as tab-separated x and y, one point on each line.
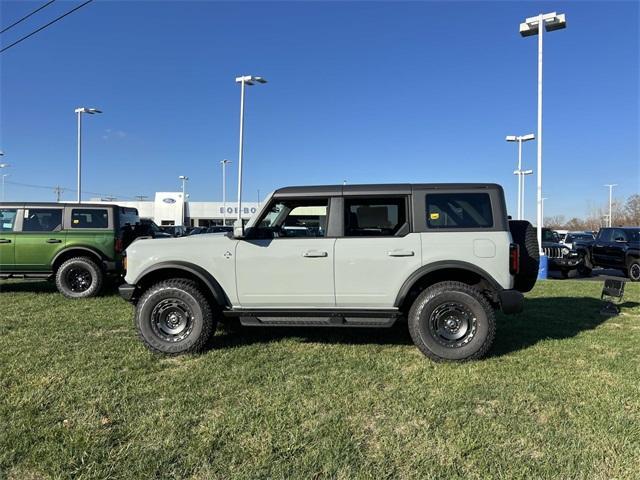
441	256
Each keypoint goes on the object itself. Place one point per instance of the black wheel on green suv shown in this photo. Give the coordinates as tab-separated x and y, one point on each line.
452	321
79	277
174	317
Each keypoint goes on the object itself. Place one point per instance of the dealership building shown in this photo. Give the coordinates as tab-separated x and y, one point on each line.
167	208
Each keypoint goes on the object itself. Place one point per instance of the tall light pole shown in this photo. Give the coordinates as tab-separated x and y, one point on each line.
184	194
610	185
3	166
224	190
244	80
542	203
519	172
4	175
531	26
80	111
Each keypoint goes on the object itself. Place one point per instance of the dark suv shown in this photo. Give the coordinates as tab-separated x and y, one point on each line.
77	244
617	248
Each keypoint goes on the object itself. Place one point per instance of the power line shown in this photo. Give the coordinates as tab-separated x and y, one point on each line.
57	188
27	16
45	26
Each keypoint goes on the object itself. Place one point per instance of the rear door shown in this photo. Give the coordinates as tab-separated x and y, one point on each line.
7	238
377	253
617	248
40	238
91	227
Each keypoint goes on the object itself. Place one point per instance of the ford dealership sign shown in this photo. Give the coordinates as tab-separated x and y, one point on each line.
169	200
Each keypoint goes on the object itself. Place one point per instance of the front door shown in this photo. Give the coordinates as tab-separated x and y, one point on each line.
287	261
40	239
7	239
377	253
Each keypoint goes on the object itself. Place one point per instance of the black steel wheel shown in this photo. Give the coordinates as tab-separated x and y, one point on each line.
452	321
79	277
634	271
174	317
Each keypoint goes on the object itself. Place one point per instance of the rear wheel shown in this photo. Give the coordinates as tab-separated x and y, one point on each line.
452	321
79	277
634	271
174	317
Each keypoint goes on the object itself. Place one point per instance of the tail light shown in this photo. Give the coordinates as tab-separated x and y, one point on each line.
514	259
118	245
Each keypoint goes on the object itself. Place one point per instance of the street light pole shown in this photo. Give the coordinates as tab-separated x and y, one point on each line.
519	172
244	80
3	177
523	174
80	111
536	26
542	199
224	190
610	185
184	194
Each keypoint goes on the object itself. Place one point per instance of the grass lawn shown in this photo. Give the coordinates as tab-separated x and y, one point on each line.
80	397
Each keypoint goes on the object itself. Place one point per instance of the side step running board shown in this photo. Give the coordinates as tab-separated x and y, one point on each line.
316	318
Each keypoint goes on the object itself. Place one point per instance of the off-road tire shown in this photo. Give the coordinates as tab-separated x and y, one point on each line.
523	234
79	277
584	267
199	319
633	271
564	273
421	321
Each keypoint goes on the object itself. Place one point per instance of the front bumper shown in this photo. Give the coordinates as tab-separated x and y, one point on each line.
127	292
511	301
564	263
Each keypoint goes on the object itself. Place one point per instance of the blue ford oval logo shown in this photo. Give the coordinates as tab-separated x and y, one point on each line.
168	200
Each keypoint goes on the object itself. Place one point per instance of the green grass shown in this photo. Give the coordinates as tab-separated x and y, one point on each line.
81	397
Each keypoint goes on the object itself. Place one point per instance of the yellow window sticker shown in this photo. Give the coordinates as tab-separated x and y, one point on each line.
434	216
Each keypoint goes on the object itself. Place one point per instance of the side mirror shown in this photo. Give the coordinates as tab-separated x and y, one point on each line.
238	229
620	240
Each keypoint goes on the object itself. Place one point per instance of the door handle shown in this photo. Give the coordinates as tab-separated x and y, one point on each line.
401	253
314	254
5	240
54	240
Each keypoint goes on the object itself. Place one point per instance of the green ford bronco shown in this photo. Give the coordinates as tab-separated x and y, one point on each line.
75	244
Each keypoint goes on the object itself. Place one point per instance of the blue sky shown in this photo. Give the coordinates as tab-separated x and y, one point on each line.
367	92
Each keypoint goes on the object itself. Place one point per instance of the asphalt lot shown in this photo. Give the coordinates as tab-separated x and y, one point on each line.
598	275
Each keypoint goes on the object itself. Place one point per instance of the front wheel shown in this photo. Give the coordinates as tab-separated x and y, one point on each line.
174	317
79	277
452	321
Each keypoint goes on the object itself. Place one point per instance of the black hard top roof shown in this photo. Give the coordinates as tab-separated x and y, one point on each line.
378	189
56	204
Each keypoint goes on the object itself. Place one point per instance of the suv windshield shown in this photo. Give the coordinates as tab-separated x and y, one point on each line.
550	236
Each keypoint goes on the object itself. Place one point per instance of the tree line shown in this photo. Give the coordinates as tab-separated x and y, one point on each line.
624	213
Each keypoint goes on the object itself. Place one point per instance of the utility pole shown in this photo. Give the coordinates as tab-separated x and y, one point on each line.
58	191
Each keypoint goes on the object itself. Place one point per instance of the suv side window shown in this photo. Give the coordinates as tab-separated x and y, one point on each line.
619	236
7	219
605	235
89	218
375	217
295	218
42	220
459	210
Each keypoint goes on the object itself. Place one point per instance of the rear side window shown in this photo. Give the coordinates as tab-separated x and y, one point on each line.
459	210
89	218
42	220
375	217
7	219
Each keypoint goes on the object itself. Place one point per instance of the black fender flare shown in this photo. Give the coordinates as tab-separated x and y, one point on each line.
443	265
212	284
70	248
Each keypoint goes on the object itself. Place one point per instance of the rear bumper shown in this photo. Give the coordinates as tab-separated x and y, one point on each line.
511	301
127	292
